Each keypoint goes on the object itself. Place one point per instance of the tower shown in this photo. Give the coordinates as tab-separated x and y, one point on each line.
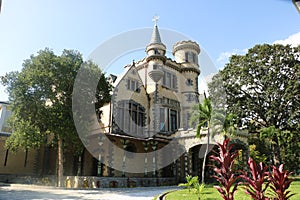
186	54
156	51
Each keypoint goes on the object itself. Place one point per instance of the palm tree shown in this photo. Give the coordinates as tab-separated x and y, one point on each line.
202	116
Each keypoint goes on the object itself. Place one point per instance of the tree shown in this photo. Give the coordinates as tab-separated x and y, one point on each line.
262	89
40	97
202	116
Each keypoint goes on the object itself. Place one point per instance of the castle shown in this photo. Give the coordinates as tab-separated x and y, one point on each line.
151	141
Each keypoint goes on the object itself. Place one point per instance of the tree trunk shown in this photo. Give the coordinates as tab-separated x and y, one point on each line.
204	158
60	171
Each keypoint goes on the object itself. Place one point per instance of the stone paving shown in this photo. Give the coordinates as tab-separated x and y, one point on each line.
24	192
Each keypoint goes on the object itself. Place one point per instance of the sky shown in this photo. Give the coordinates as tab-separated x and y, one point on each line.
221	28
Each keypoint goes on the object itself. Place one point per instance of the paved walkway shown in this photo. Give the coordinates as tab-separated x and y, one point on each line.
18	191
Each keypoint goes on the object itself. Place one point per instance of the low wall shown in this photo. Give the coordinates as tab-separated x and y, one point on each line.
114	182
90	181
25	179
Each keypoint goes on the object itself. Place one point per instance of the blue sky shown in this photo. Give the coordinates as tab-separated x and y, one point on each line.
220	27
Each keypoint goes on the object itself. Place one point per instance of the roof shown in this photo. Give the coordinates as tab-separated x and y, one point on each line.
155	38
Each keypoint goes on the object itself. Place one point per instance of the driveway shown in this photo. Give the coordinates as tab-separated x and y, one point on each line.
18	191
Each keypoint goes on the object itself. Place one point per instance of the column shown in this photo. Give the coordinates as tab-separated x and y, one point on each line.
146	147
154	146
99	167
186	162
124	145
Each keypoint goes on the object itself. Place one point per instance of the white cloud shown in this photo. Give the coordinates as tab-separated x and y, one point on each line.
224	56
203	81
293	40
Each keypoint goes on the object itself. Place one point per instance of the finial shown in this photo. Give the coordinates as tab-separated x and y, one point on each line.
155	19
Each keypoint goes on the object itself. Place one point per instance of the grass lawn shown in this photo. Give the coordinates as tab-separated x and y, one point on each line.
211	193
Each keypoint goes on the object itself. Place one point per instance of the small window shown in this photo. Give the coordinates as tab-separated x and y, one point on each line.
189	82
132	85
170	80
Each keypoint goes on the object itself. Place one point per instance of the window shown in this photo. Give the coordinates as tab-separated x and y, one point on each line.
189	82
156	52
168	119
130	118
173	120
162	119
191	57
170	80
132	85
169	115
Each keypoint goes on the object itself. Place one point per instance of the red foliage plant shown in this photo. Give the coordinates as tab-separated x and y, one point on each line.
224	170
280	182
256	184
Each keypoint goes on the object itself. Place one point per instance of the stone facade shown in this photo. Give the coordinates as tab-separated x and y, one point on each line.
151	106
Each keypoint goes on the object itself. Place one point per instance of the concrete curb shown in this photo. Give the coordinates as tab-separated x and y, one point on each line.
163	195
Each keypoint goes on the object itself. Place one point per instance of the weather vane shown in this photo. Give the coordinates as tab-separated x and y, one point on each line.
155	19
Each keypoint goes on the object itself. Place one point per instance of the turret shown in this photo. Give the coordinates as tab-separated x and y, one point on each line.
186	53
156	49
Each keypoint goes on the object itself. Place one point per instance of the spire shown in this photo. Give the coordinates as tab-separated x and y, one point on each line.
155	38
155	47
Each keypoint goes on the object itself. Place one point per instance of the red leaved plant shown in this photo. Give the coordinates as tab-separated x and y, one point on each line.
280	182
256	184
224	170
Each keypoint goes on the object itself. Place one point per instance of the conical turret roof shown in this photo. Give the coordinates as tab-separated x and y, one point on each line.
155	38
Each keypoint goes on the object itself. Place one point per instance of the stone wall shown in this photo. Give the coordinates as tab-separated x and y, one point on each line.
114	182
89	181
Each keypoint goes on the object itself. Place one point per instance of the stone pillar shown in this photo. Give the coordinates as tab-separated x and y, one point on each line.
186	164
124	145
154	147
178	164
146	147
190	160
99	167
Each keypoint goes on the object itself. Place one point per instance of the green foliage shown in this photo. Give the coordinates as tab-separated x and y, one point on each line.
262	89
202	115
256	155
40	98
211	193
261	86
192	182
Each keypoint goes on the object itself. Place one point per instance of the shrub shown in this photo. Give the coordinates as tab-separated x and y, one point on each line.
280	182
225	173
255	184
190	182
